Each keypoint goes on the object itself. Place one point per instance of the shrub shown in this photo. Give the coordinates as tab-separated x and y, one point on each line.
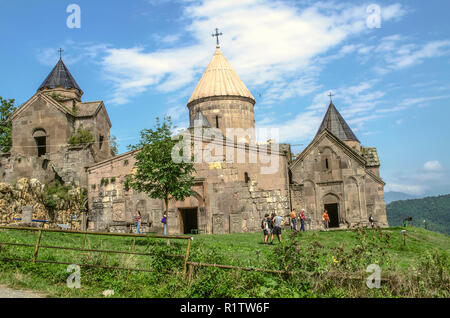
81	137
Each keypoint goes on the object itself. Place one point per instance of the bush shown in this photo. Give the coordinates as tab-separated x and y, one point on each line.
81	137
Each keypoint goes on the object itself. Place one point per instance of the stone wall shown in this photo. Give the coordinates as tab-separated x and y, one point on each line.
226	200
98	125
66	163
30	193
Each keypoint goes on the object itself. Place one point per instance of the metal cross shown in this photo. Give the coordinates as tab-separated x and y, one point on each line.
60	51
217	36
330	96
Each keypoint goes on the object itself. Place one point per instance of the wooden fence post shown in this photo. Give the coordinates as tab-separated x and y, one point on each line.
188	250
36	249
190	272
84	241
132	249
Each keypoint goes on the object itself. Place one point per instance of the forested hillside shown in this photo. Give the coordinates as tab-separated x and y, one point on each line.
435	210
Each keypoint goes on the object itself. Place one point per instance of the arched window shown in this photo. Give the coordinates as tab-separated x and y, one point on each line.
326	164
40	137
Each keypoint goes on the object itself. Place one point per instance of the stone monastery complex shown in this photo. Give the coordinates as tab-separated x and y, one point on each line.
334	172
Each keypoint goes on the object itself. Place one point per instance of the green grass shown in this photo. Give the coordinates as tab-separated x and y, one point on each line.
246	249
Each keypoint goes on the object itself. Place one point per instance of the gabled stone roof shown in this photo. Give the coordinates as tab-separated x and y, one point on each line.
87	109
335	123
219	79
59	77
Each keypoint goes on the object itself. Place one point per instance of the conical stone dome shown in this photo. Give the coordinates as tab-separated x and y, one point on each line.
60	77
219	79
222	98
335	123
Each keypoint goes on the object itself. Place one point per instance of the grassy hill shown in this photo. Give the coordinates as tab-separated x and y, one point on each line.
325	263
435	210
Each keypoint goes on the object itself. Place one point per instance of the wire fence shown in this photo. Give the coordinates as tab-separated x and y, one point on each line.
83	236
188	267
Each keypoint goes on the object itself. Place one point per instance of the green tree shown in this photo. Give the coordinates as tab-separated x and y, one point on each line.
6	109
114	145
157	174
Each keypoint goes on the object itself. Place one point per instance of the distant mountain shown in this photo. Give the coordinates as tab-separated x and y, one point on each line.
435	210
396	196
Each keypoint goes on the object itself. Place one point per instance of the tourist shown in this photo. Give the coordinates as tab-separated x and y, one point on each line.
138	222
277	223
293	216
302	220
372	224
266	227
164	221
326	219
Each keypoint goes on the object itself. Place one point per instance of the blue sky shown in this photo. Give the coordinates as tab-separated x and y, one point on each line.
144	58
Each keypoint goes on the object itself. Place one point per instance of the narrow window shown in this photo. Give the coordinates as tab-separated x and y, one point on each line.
247	179
217	121
326	163
100	142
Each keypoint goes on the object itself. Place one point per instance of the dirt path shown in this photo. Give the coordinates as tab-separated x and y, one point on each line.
6	292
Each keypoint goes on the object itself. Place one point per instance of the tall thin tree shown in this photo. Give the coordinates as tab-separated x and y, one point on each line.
156	172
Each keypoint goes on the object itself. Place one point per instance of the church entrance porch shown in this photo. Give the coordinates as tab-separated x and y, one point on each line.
188	220
333	213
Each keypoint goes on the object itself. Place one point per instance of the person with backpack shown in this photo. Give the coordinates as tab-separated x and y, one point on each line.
277	224
265	227
371	221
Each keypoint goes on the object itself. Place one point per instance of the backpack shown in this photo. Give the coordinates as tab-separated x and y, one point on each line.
262	224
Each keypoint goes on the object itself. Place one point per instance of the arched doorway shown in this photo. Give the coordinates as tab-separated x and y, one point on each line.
331	204
189	218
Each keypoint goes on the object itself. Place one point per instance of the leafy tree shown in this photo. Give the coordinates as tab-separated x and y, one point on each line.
114	145
157	174
6	109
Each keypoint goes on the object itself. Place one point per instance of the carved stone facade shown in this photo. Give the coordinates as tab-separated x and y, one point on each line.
332	174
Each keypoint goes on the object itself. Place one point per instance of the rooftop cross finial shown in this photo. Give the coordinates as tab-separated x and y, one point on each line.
330	97
60	52
217	34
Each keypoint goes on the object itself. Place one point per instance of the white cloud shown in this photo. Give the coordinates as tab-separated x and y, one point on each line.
395	53
275	48
433	165
74	52
405	188
177	112
431	176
